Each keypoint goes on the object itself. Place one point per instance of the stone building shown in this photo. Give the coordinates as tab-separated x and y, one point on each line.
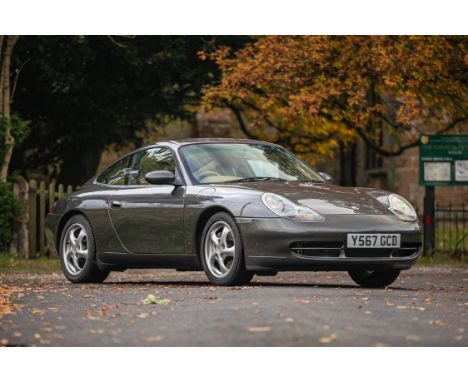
398	174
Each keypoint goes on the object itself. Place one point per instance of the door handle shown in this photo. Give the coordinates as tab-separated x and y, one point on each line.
115	204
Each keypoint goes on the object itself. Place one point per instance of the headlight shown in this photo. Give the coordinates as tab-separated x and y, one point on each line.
285	208
401	208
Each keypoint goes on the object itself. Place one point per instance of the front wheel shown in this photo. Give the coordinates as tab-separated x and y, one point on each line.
222	254
374	278
77	252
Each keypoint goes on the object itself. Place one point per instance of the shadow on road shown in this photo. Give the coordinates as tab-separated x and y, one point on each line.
252	284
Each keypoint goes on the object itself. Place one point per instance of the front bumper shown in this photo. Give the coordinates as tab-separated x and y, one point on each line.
279	244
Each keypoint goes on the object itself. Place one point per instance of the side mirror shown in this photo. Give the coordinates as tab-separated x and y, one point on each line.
326	177
160	177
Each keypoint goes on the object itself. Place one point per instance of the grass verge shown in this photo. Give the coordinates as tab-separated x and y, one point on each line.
10	263
443	259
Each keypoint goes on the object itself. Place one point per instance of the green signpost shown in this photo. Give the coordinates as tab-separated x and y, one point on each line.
443	161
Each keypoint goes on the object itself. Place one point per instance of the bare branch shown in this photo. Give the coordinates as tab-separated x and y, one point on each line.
114	41
18	71
403	148
240	120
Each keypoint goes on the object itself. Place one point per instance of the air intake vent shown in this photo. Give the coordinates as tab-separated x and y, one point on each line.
317	248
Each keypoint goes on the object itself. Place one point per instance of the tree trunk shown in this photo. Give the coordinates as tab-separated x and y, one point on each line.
5	74
2	38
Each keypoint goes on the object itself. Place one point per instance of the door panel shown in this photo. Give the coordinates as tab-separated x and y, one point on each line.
149	219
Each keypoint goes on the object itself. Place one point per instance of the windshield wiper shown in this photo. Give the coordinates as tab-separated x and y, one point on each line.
312	181
255	179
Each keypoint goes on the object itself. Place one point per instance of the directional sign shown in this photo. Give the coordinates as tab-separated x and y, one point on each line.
443	160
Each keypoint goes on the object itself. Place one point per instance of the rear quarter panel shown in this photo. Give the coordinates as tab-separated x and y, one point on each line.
92	202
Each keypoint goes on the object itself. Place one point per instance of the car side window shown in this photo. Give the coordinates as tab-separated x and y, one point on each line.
116	174
145	161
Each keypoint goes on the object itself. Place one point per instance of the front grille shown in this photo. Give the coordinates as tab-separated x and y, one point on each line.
337	249
317	248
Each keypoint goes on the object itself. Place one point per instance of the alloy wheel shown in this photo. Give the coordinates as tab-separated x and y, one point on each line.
75	249
220	249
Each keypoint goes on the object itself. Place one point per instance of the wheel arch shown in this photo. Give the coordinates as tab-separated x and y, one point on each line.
201	222
63	221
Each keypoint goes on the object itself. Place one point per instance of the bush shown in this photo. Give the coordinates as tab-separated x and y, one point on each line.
19	128
10	212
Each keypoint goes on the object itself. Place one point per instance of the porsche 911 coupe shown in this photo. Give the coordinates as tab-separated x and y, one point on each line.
233	208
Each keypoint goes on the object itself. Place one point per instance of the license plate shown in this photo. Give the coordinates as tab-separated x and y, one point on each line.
374	240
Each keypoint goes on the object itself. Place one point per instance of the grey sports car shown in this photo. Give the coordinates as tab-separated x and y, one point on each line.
233	208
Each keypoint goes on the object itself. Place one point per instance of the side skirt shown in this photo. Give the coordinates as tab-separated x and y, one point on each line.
121	261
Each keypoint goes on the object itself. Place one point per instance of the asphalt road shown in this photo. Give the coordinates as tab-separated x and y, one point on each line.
427	306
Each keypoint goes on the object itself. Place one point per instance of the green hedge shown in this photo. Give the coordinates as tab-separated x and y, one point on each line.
10	212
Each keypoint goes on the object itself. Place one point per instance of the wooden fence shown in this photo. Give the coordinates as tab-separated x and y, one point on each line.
40	198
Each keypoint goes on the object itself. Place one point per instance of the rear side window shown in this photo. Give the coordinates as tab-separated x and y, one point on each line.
145	161
116	174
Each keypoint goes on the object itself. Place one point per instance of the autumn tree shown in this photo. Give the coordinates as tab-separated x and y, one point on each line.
311	93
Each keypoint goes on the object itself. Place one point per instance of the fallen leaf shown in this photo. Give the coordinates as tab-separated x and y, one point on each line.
327	340
259	329
96	331
152	299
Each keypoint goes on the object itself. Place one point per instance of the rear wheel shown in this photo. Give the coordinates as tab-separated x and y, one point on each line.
77	252
374	278
222	253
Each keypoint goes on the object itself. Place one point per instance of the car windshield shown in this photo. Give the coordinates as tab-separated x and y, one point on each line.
236	162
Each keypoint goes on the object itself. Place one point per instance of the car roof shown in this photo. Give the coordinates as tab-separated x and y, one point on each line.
191	141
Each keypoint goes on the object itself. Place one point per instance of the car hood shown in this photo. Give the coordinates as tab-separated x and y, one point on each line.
326	199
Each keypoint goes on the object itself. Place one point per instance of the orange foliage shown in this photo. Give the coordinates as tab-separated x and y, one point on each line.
312	92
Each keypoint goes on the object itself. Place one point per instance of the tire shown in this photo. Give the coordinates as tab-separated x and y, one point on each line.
78	261
226	250
374	278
